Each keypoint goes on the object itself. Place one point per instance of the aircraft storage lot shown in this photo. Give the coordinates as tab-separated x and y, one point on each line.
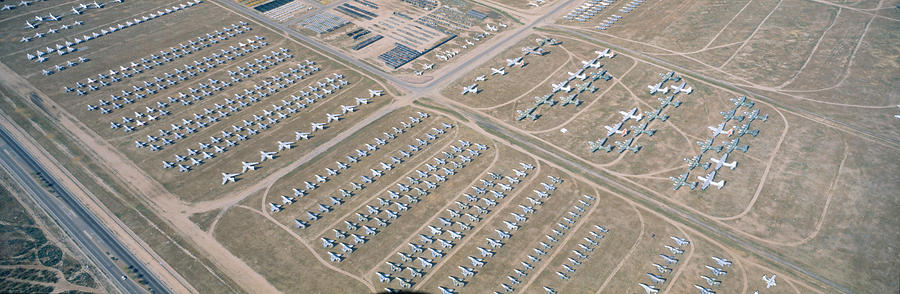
574	169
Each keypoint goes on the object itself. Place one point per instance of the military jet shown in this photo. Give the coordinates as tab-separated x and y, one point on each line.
658	88
751	116
473	88
680	241
742	101
731	114
682	181
720	162
720	129
681	88
649	289
669	100
615	129
708	180
770	281
226	177
657	279
722	261
631	114
669	259
704	290
626	145
716	271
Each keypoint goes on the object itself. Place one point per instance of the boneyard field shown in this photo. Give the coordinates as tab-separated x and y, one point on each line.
580	147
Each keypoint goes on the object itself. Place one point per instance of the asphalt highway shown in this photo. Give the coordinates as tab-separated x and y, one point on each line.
94	239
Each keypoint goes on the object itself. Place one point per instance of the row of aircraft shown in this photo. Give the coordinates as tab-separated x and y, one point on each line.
511	63
96	34
727	146
617	128
579	255
352	159
181	74
62	27
188	47
465	215
208	116
62	67
230	138
591	241
435	233
570	98
670	260
228	106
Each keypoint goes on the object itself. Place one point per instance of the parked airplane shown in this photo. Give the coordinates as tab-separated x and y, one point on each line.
722	261
649	289
720	162
226	177
267	155
658	88
681	88
708	180
470	89
682	181
498	71
720	129
680	241
770	281
657	279
716	271
669	259
616	129
631	114
704	290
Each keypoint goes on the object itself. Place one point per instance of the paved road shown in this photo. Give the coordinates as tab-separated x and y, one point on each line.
75	219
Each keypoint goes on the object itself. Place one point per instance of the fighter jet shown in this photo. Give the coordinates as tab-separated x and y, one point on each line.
669	259
722	261
662	269
716	271
704	290
445	290
657	279
770	281
680	241
675	251
274	207
335	257
649	289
